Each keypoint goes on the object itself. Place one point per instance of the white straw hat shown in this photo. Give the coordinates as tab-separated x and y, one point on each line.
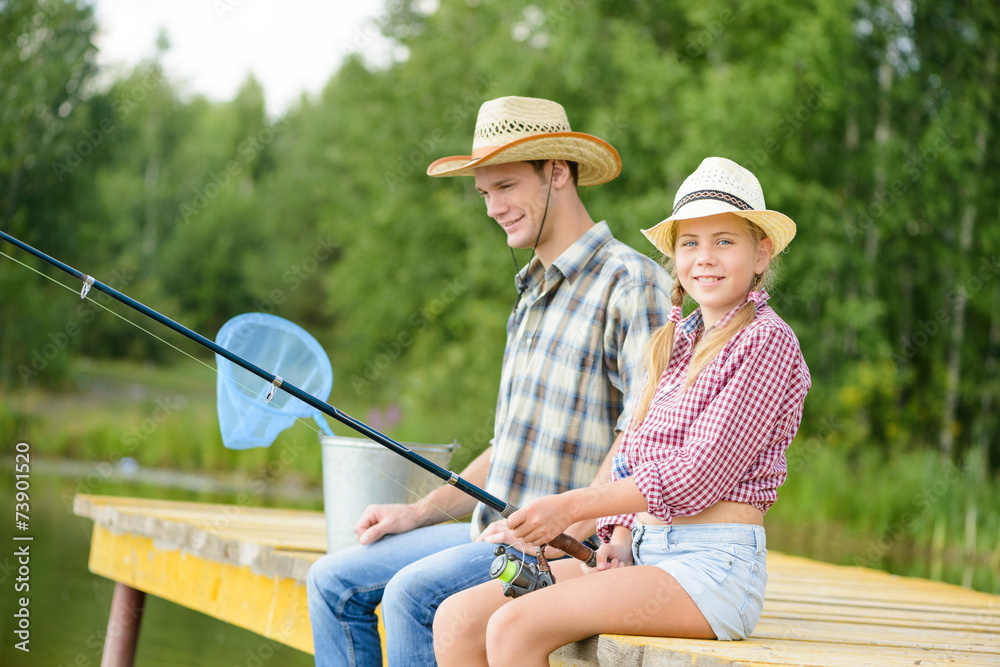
517	129
722	186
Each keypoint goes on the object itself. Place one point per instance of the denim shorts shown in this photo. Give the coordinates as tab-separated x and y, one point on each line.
722	566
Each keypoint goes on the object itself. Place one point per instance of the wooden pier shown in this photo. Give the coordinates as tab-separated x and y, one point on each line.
248	565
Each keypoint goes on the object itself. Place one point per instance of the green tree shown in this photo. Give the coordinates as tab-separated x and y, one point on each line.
46	64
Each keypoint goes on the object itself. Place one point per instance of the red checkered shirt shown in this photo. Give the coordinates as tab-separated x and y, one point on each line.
725	437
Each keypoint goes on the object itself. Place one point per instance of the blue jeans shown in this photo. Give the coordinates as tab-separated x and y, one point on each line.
410	574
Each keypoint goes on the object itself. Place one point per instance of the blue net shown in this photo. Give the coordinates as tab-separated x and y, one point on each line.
279	347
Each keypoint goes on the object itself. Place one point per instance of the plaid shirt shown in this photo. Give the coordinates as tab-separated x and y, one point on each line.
573	362
725	437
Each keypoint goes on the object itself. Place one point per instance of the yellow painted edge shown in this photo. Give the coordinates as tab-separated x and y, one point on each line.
274	607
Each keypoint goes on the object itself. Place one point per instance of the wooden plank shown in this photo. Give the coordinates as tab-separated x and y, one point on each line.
247	566
259	548
869	633
790	574
178	505
822	614
885	616
861	604
658	652
271	606
900	593
218	517
298	553
199	521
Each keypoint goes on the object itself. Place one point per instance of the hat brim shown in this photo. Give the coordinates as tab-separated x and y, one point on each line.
597	160
778	226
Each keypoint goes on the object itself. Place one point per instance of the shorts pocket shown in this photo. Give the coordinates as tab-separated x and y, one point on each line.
719	561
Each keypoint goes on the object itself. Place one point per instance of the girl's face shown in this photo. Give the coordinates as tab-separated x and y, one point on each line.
716	261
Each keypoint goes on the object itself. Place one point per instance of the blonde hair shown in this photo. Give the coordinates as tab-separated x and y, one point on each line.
661	344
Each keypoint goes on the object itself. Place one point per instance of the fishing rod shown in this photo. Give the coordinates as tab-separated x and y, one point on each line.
517	576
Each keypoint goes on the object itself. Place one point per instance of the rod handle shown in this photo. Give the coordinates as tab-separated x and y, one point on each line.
565	543
575	548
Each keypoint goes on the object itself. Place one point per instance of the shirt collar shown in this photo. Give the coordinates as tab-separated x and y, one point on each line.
694	323
572	262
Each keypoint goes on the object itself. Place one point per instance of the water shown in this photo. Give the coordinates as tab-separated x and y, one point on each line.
69	605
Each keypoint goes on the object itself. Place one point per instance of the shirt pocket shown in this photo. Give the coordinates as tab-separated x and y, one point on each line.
575	354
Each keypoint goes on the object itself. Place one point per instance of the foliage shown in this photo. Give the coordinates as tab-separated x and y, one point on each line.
871	123
930	520
46	64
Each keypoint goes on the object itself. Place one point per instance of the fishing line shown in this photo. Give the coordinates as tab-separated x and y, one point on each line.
214	370
121	317
563	542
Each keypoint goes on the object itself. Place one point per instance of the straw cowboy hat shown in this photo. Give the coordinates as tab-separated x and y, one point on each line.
517	129
722	186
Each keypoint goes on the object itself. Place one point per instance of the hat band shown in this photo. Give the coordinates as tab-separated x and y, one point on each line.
717	195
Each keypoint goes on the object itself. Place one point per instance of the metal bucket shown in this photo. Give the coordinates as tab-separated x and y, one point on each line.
358	472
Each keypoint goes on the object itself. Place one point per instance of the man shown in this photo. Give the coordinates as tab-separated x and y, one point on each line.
576	342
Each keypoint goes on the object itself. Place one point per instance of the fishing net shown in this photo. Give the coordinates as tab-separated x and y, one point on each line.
273	344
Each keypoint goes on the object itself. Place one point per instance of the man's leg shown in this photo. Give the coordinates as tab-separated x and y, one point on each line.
412	597
345	587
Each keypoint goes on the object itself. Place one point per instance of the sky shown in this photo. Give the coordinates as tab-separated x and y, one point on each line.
290	46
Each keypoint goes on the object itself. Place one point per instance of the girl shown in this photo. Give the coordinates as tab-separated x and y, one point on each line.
701	462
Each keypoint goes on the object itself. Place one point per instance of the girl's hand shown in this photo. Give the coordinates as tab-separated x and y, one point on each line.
542	520
610	556
498	533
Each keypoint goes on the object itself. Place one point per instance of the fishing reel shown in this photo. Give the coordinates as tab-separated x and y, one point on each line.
517	576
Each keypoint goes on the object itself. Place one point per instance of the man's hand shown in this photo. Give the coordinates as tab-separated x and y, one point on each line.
377	521
497	533
444	502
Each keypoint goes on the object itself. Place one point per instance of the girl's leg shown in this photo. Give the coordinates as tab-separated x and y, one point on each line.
639	600
460	625
460	622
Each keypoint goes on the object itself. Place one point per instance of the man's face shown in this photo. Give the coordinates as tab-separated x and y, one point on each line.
515	197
